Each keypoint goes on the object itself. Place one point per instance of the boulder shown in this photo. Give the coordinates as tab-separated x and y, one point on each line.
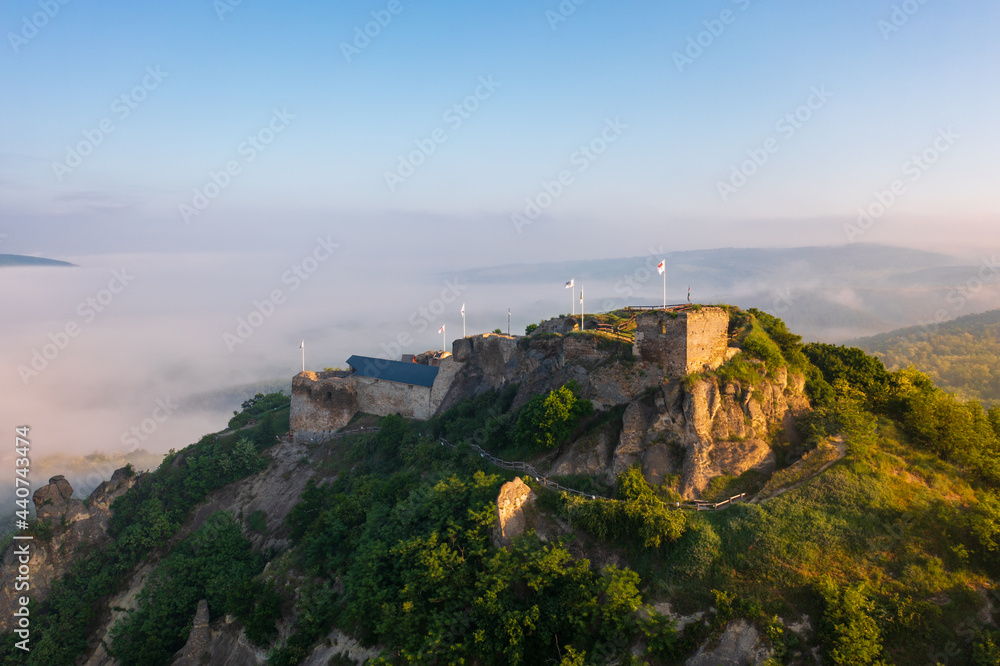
739	645
511	522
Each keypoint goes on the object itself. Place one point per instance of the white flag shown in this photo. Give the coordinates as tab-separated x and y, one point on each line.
442	329
581	294
662	266
569	285
463	308
303	345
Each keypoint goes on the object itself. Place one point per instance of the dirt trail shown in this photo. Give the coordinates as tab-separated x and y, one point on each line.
841	454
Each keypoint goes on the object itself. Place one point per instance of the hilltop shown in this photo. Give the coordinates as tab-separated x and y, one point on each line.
686	486
22	260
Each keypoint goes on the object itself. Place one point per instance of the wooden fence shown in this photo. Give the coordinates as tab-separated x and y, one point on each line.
518	466
693	505
646	308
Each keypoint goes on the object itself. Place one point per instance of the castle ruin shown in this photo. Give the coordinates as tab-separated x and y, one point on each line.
682	342
672	343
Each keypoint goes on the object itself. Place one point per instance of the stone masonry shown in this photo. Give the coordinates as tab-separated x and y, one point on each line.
682	342
676	342
324	402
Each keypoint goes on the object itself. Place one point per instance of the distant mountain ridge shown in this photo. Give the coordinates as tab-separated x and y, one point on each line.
23	260
830	293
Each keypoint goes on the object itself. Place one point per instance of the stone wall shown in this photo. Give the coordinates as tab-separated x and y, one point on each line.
322	402
707	339
682	342
381	397
670	344
448	369
661	339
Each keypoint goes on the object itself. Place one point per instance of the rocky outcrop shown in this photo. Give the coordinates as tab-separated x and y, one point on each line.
74	524
707	430
216	644
275	491
53	500
197	642
560	325
739	645
510	518
591	455
339	644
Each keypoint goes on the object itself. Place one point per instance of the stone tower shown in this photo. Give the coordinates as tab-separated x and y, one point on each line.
684	341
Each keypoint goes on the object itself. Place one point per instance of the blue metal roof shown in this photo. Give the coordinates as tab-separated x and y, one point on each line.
393	371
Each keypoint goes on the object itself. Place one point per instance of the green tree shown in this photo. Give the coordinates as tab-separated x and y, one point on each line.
855	368
850	634
215	563
547	421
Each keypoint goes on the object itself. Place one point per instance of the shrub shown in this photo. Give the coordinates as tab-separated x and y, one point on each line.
215	563
638	516
849	633
257	406
257	521
547	421
757	344
698	551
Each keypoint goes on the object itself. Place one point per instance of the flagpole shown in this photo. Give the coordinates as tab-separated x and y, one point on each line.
463	321
582	307
572	301
444	339
664	285
508	321
303	347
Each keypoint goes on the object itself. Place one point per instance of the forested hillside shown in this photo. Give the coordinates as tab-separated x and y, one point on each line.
961	356
890	555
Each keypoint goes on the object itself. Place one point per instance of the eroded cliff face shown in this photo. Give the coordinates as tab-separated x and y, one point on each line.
698	433
710	429
75	525
274	491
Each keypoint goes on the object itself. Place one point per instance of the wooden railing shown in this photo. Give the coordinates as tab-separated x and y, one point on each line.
526	468
647	308
694	505
517	466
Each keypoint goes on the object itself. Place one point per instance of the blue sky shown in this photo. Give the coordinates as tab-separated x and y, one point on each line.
559	82
590	120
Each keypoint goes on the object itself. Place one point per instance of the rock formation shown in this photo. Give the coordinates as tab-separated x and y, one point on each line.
739	645
511	522
698	433
707	430
74	524
198	639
